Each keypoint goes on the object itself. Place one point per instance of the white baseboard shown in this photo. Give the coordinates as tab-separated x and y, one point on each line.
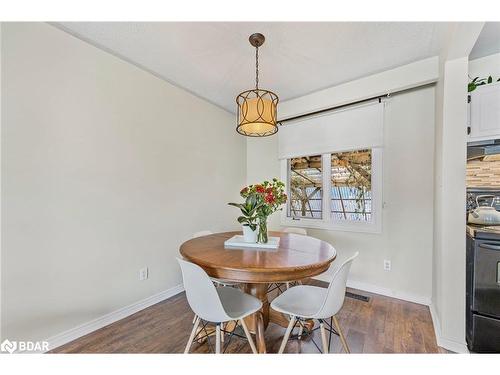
445	343
422	300
93	325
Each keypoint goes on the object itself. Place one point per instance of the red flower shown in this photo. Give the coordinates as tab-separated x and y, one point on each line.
269	190
260	189
270	198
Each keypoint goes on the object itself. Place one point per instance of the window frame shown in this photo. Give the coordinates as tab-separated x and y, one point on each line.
326	222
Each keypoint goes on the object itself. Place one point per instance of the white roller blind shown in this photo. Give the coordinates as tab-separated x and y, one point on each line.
348	129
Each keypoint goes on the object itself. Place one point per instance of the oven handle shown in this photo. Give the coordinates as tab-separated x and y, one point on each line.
489	246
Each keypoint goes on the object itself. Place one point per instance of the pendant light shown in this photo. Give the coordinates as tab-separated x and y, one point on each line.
257	108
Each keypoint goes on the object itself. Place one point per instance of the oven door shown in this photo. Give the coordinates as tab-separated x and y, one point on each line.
487	278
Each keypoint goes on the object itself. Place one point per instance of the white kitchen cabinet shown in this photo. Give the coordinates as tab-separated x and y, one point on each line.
484	110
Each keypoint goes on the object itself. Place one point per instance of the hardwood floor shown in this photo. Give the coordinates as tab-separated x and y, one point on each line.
382	325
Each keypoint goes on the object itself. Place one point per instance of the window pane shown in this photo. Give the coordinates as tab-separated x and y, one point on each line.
305	184
351	195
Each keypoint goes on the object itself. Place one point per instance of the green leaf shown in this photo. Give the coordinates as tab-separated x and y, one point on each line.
252	200
490	79
242	219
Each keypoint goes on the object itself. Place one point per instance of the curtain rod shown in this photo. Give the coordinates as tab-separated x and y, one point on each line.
379	97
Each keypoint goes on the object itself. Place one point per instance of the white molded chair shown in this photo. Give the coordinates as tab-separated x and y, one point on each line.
218	282
215	305
215	280
311	302
295	230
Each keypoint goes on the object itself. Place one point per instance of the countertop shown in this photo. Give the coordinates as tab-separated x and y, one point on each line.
475	230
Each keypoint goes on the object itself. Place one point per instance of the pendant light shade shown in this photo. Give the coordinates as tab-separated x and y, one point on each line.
257	109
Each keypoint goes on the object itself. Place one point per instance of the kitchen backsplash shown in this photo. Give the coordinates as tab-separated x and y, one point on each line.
483	173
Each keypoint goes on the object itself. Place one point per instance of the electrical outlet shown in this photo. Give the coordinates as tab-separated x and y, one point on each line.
387	265
143	273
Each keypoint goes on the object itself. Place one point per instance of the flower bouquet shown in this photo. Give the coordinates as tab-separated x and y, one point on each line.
261	200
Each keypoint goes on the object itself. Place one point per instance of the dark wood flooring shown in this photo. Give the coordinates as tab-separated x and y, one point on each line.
382	325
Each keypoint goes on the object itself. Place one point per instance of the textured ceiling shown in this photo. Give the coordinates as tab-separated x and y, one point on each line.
488	42
216	62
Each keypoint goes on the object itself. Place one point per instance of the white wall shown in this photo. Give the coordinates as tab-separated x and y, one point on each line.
449	257
485	66
106	169
406	237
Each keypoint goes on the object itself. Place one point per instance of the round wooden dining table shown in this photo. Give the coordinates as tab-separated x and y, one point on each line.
297	257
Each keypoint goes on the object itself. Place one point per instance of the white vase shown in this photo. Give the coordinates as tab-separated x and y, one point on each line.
249	235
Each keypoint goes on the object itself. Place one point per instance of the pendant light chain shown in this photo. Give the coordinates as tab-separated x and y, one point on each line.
257	68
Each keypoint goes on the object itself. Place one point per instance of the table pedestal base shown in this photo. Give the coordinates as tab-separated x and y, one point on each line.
257	323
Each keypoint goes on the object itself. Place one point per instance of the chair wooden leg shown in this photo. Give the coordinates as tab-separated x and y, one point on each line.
217	338
194	318
287	334
192	335
288	285
341	334
222	333
323	337
249	336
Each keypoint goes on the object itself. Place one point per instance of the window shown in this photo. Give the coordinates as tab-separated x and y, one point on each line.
351	177
306	187
332	166
340	190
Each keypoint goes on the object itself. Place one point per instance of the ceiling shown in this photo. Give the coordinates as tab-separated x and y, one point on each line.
216	62
488	42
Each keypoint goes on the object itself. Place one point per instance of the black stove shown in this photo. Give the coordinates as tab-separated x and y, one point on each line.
483	279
